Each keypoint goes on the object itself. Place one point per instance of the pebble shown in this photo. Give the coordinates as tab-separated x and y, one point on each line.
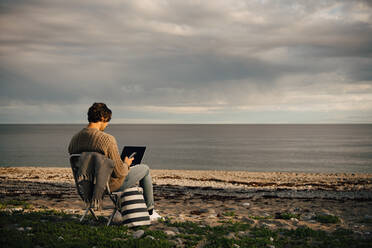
17	209
138	234
248	220
60	238
28	228
150	237
271	239
199	211
179	241
294	219
246	204
174	229
170	233
230	236
21	229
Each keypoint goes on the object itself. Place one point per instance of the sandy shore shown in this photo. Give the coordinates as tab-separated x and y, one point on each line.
212	196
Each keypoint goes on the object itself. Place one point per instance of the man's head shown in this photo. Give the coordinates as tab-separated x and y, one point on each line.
99	112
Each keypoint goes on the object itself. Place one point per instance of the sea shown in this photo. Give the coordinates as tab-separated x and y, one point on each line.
328	148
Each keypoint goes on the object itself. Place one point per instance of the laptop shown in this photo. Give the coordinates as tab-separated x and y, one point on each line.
133	151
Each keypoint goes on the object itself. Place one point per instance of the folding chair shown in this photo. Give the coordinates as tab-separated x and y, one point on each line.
114	196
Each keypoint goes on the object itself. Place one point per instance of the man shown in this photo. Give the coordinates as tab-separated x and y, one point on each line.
93	139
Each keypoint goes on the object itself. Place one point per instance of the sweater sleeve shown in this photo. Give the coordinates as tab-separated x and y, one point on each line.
121	169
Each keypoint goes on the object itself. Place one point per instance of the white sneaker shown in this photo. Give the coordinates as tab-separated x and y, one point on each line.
155	216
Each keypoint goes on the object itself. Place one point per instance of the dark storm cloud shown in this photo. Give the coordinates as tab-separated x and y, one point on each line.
161	54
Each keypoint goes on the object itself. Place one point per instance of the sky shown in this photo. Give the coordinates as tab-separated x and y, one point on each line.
158	61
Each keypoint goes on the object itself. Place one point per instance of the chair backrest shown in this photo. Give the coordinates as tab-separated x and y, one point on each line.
74	158
92	172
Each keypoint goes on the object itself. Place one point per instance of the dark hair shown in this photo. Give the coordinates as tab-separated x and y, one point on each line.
99	112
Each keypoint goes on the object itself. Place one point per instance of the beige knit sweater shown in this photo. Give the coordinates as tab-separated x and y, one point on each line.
93	140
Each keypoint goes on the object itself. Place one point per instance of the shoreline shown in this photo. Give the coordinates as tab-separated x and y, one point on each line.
211	196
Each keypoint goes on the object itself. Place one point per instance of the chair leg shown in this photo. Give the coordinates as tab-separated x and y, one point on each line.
82	217
92	212
112	216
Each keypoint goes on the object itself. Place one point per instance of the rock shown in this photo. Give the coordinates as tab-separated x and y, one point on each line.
170	233
236	245
138	234
150	237
118	239
230	236
20	229
241	234
174	229
179	241
265	225
294	219
60	238
246	204
271	239
118	218
248	220
307	217
28	228
199	211
230	209
17	209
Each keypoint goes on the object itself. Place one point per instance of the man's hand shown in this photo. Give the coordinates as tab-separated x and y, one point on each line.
128	161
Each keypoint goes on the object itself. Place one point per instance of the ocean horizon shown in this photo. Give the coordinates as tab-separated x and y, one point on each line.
328	148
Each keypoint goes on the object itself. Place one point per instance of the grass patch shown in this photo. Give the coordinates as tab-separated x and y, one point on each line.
327	218
260	217
58	229
14	203
286	216
229	213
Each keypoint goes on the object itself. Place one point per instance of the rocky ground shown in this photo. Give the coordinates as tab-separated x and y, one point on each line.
274	200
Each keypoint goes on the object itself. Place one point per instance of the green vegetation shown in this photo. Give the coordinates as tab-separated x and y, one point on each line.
327	218
287	216
57	229
229	213
50	228
15	204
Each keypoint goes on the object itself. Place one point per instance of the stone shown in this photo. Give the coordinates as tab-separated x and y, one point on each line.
199	211
174	229
150	237
170	233
241	234
230	236
28	228
294	219
20	229
179	241
246	204
138	234
248	220
236	245
271	239
60	238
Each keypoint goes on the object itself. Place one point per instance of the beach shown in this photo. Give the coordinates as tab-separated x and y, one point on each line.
270	199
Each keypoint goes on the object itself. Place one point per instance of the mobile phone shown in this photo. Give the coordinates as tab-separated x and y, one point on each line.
132	155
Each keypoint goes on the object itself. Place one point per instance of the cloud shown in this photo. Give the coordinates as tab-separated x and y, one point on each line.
185	58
